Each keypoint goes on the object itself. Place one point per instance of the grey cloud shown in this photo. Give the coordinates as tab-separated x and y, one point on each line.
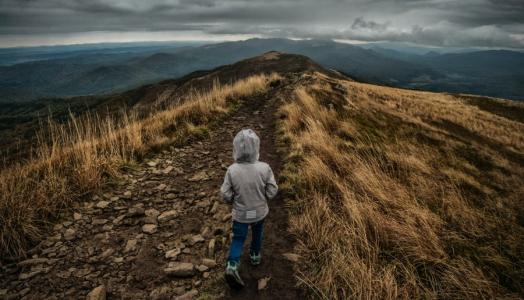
205	3
361	23
496	23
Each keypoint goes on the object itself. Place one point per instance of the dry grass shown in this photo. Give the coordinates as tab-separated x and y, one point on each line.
75	158
402	194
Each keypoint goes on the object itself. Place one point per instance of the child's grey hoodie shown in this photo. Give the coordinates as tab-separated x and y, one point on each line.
248	183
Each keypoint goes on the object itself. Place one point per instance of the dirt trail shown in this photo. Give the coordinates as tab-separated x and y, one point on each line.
260	115
164	212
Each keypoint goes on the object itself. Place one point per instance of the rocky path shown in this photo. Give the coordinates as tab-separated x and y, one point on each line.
162	232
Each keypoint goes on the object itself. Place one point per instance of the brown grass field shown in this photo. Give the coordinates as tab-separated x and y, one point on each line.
392	193
76	158
404	194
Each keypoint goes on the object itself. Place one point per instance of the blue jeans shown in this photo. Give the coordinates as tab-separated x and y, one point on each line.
240	231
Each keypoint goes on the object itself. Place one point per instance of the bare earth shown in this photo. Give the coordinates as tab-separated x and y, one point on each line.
167	206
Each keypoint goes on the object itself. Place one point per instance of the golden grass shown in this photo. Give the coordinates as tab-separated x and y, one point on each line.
402	194
427	106
76	158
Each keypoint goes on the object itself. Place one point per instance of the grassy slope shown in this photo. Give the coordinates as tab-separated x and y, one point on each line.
395	193
82	154
403	194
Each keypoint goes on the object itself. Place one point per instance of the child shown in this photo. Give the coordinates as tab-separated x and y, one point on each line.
248	184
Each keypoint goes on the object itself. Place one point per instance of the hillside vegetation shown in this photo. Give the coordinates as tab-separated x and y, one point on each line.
64	72
388	193
403	194
75	158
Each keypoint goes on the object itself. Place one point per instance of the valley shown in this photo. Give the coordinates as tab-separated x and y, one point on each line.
113	68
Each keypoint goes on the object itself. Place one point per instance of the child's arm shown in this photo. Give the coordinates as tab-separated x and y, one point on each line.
227	188
271	185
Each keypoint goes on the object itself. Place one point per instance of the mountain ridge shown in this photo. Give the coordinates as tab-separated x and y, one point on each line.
57	77
23	119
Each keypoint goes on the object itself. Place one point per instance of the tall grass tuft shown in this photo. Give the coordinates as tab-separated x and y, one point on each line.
75	158
402	194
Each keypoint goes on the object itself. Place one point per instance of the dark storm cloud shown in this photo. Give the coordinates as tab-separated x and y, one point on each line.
495	23
361	23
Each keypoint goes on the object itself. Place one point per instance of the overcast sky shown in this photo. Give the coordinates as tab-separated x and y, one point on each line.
490	23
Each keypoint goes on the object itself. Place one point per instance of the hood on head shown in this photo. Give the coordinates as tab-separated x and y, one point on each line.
246	146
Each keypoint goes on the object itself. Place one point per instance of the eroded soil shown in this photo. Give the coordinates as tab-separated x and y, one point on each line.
163	213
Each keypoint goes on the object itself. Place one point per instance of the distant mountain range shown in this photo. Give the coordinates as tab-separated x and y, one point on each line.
108	69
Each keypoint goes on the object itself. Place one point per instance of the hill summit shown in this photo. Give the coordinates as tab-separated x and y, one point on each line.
385	192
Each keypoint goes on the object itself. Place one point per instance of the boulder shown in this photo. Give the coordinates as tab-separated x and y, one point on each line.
119	219
98	293
180	269
149	228
152	213
210	263
174	253
202	268
99	221
130	246
102	204
167	170
161	187
188	296
200	176
109	252
70	234
167	216
127	195
262	283
77	216
196	239
135	212
151	216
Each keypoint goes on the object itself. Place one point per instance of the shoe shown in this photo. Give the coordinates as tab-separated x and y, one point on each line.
232	276
255	258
